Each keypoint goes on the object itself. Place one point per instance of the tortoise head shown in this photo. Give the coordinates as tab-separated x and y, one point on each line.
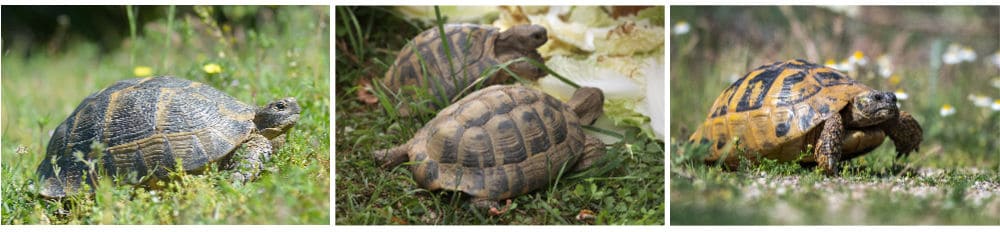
872	107
277	117
523	38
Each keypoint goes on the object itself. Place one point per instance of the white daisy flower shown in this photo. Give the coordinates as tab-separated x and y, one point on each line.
951	55
884	66
900	95
967	54
858	58
947	110
682	27
995	59
980	100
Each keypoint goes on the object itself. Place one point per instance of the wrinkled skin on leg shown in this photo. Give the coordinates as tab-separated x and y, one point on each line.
247	162
828	147
905	133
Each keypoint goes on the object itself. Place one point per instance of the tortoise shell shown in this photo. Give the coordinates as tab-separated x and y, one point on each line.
146	125
496	143
473	49
774	109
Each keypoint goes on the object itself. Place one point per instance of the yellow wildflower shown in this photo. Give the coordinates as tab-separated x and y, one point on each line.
212	68
830	63
895	79
858	58
947	110
142	71
901	95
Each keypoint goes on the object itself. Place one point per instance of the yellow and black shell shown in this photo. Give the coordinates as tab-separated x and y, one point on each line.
146	125
773	110
497	143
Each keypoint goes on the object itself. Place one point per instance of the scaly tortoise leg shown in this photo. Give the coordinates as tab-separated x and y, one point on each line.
905	133
392	157
828	147
593	152
248	160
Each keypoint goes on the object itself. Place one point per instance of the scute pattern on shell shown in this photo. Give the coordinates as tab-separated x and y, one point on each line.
470	49
145	125
496	143
774	106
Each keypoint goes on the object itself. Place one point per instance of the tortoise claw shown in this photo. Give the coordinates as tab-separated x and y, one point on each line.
495	212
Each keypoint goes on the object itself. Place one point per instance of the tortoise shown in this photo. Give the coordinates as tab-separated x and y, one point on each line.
500	142
151	126
424	62
779	110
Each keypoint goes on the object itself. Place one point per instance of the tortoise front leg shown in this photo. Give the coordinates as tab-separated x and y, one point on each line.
248	161
523	69
905	132
829	146
593	152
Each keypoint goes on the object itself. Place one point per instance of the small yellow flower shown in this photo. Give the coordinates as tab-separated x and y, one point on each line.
212	68
947	110
901	95
830	63
142	71
895	80
858	58
996	105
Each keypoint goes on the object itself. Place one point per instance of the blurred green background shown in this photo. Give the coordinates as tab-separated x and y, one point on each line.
54	56
944	62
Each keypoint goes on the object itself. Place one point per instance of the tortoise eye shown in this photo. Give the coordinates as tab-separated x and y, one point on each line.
280	106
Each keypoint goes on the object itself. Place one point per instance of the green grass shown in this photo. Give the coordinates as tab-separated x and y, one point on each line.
955	177
286	55
631	192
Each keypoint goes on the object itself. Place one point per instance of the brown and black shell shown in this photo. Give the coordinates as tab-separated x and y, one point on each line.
146	126
424	61
774	108
496	143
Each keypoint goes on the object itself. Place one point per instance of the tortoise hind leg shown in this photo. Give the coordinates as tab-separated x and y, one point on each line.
247	161
905	133
829	145
393	157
